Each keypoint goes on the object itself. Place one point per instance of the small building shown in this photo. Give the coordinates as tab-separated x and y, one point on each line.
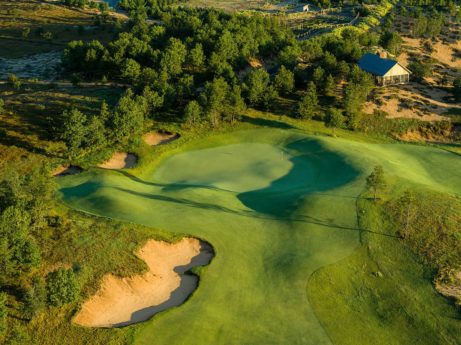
386	71
306	8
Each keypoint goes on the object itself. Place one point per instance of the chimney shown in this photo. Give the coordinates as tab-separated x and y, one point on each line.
382	54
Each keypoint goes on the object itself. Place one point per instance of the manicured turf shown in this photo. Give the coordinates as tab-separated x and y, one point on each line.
276	205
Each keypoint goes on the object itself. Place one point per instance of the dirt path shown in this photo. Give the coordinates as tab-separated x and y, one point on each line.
123	301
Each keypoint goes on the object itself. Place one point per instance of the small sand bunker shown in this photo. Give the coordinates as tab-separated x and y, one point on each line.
120	160
159	138
124	301
65	170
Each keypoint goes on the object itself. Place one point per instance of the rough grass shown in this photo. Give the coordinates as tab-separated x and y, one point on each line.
271	226
30	113
61	21
382	293
93	247
227	5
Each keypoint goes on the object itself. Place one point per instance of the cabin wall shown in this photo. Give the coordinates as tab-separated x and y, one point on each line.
396	75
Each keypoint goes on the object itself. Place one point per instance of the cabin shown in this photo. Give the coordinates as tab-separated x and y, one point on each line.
306	8
386	71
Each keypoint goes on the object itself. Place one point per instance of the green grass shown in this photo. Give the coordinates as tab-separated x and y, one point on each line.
382	293
276	210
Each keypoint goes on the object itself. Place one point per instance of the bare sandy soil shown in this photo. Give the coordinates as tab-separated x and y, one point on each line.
120	160
41	66
123	301
414	100
64	170
159	138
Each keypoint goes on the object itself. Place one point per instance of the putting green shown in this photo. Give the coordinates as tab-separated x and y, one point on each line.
275	204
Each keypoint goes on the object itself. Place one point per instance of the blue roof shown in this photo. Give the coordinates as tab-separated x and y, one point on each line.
373	64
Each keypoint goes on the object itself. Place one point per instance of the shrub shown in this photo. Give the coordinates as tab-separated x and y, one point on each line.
62	287
14	81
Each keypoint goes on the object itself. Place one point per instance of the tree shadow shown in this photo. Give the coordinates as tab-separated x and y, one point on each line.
266	122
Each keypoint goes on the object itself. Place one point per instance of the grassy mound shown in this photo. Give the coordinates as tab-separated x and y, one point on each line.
276	205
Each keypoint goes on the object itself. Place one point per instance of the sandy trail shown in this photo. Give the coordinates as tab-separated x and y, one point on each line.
124	301
159	138
120	160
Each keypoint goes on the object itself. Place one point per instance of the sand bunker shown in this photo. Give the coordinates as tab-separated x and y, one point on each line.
124	301
120	160
64	170
159	138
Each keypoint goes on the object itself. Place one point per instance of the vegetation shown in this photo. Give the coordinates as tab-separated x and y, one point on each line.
62	287
213	77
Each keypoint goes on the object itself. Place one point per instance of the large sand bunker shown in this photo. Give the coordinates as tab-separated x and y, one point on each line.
124	301
159	138
120	160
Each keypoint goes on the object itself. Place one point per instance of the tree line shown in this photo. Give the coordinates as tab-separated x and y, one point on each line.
26	200
195	65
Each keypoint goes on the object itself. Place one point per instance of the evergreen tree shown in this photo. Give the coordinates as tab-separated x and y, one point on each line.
74	131
318	75
309	105
334	119
174	57
391	41
193	113
196	57
284	81
329	86
215	100
127	120
256	85
237	104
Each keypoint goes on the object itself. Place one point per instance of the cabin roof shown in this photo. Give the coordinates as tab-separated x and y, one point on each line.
376	65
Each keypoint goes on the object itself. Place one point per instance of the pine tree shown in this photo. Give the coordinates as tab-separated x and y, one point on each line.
309	105
329	86
284	81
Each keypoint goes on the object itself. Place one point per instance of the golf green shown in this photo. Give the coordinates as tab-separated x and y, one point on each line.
275	204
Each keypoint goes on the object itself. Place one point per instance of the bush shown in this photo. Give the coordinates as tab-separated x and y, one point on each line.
14	81
420	69
62	287
457	88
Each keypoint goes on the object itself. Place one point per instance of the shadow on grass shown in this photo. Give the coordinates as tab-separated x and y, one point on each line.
315	171
266	122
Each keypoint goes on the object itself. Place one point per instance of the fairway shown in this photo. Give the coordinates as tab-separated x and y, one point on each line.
276	205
